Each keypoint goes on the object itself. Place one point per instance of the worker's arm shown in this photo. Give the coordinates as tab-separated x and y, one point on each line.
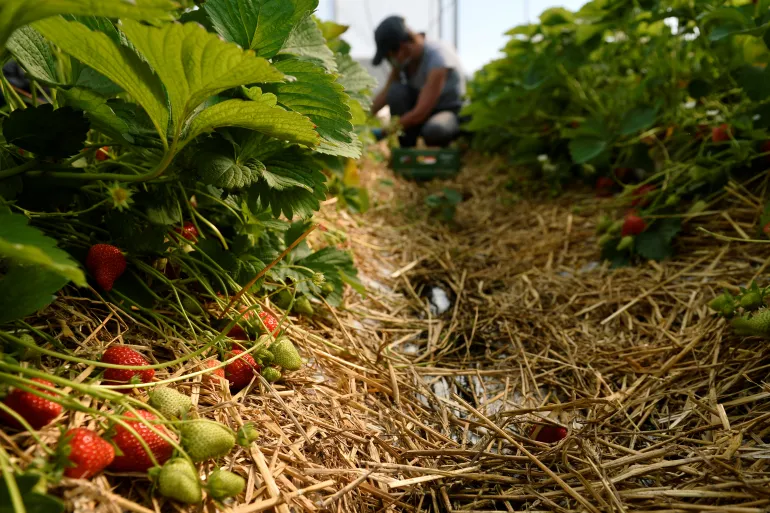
427	100
382	97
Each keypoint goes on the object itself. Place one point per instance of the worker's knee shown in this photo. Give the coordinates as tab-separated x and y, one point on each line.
441	129
400	99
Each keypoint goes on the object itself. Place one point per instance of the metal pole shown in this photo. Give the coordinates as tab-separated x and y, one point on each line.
440	19
335	10
457	24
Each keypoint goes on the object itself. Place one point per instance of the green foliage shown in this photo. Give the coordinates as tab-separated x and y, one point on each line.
227	116
67	130
444	204
33	501
620	93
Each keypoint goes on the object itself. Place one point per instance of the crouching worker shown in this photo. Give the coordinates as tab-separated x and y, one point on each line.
426	84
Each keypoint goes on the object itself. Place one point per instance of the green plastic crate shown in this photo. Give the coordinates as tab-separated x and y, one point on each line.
425	164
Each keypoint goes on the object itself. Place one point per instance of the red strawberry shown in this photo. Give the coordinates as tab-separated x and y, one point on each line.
550	434
34	408
188	231
134	457
632	225
766	229
87	452
271	323
641	194
101	153
574	124
721	133
604	186
240	372
123	355
213	376
106	263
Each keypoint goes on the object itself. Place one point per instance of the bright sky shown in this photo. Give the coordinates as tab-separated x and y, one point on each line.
482	22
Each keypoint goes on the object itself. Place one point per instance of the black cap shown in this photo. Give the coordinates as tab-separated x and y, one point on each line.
388	36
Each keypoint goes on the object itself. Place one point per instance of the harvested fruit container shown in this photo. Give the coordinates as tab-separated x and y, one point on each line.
425	164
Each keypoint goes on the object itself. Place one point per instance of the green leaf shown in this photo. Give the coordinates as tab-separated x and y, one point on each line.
332	263
259	25
315	94
725	21
25	289
584	149
655	243
64	134
556	16
755	81
28	245
34	54
356	80
118	63
280	168
16	13
134	235
331	30
308	42
637	120
89	78
536	75
261	115
356	199
101	115
226	172
194	64
33	502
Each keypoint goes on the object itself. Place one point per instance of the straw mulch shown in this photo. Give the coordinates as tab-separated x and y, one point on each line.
400	409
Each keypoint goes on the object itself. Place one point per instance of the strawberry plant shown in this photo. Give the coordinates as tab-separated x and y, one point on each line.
663	101
165	158
221	153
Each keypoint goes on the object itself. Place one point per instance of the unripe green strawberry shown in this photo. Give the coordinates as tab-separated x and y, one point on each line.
302	305
29	353
223	484
758	324
283	299
170	402
603	225
625	243
271	374
326	289
285	355
605	239
247	434
723	304
672	200
697	207
264	357
751	300
616	227
178	480
191	306
203	439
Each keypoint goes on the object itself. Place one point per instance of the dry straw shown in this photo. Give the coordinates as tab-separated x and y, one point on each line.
403	410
